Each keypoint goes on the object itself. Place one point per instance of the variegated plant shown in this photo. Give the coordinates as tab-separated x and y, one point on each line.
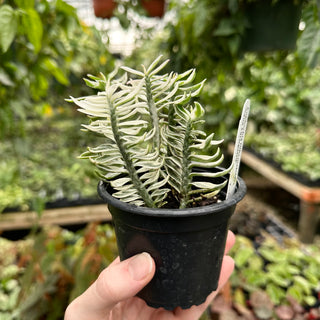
152	138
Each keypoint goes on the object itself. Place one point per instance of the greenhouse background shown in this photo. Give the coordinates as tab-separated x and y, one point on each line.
55	232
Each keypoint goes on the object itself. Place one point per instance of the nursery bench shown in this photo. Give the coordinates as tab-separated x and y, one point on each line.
309	196
61	216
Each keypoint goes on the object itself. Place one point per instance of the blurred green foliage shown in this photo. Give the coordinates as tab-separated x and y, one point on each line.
296	150
41	275
44	167
44	50
207	35
282	271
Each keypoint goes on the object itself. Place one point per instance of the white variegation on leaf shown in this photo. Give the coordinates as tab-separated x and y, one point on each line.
154	150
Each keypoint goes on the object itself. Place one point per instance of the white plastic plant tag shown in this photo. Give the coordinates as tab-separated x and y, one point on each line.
238	148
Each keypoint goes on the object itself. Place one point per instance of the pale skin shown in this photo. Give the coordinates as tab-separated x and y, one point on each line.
112	295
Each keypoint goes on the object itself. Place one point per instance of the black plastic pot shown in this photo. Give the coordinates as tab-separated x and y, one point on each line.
187	246
272	26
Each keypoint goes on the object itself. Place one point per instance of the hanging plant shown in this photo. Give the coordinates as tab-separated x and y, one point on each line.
272	25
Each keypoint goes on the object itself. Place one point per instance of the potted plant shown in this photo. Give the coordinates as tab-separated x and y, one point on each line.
272	25
104	8
166	196
154	8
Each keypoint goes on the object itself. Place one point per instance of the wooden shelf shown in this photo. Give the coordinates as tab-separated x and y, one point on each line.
61	216
309	196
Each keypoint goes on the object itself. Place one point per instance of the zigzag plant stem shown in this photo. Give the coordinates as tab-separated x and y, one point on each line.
171	124
127	159
185	175
153	114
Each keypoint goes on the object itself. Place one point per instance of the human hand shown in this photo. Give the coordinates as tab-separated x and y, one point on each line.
112	295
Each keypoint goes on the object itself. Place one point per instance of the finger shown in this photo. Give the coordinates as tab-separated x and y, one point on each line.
226	271
231	239
115	261
196	311
118	282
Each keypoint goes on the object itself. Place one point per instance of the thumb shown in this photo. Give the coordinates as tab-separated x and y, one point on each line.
118	282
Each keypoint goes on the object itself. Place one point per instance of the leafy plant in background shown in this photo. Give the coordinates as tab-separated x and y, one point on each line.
284	93
9	285
282	85
41	275
284	272
43	167
296	150
309	40
37	66
152	139
38	62
283	89
205	34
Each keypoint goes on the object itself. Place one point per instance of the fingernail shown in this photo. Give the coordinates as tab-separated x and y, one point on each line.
140	266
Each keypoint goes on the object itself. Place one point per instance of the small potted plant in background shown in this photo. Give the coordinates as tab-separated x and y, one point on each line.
272	24
161	178
104	8
154	8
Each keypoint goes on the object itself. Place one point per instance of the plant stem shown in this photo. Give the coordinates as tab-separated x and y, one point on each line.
171	124
153	113
185	176
127	159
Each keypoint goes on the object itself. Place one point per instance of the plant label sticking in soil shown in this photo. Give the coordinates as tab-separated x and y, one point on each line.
238	148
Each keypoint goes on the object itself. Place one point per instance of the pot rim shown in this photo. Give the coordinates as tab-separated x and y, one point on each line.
173	213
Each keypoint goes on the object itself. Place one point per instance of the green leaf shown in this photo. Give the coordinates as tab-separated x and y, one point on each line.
33	28
296	293
309	41
54	69
225	29
201	17
233	5
239	297
311	276
271	255
278	280
303	283
257	278
24	4
5	79
197	112
8	26
275	293
242	256
206	185
255	263
66	8
310	300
